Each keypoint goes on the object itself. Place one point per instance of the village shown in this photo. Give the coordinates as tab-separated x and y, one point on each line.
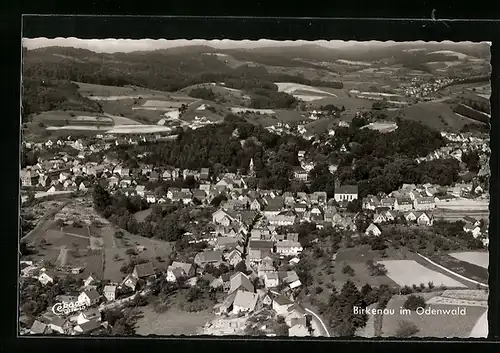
249	232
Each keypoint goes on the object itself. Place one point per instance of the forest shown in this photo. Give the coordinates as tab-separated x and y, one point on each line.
157	70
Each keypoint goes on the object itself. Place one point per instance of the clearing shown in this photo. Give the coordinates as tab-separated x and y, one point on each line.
478	258
409	272
171	322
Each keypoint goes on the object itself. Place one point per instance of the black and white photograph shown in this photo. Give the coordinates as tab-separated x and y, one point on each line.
266	188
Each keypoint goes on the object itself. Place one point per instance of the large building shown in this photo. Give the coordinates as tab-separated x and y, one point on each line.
346	193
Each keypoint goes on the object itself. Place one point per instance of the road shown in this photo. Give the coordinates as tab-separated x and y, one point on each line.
319	321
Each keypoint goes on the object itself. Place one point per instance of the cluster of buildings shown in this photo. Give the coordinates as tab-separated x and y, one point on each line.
420	88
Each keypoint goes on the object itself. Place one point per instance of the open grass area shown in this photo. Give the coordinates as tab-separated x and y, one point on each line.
429	113
171	322
478	258
141	215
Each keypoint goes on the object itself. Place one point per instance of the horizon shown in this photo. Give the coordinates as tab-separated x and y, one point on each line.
113	45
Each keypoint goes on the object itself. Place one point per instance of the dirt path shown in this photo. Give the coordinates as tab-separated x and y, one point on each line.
63	256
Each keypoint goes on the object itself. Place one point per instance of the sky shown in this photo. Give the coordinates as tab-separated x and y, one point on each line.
128	45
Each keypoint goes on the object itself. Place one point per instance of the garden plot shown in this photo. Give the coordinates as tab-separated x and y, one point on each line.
409	272
457	302
481	259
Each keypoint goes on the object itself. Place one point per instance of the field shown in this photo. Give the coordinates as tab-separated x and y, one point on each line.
409	272
102	92
67	117
138	129
171	322
481	327
303	92
463	204
466	269
429	113
141	215
480	259
439	326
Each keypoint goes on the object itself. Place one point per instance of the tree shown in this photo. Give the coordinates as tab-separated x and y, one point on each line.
348	270
241	267
406	329
344	320
413	302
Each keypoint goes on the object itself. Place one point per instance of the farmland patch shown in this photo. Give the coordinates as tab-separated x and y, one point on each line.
409	272
477	258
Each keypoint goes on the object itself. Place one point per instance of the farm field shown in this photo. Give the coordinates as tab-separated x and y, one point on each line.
439	326
463	204
98	92
480	259
67	117
304	92
409	272
466	269
171	322
138	129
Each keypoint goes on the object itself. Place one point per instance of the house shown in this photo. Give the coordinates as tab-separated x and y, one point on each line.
271	279
87	327
140	190
389	202
130	281
240	281
424	219
204	173
281	304
144	270
370	203
150	197
256	205
403	204
265	267
110	292
379	218
244	302
298	328
288	247
373	230
474	230
285	218
38	328
88	315
300	174
179	270
46	278
59	325
424	203
472	221
346	193
89	297
208	257
224	217
234	257
411	216
300	207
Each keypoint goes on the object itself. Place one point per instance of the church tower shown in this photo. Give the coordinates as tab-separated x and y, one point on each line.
251	171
